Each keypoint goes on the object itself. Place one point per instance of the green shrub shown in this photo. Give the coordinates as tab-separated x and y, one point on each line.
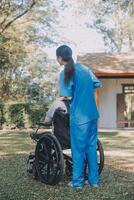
16	115
2	118
21	115
35	112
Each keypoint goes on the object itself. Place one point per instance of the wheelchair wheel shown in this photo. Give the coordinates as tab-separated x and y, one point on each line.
49	159
100	154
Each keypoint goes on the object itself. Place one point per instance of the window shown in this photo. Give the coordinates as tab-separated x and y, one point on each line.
128	88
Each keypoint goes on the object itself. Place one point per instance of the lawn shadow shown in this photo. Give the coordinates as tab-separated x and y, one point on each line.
116	180
16	184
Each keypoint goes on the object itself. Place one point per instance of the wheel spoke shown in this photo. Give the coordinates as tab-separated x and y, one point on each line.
49	159
48	171
44	157
42	165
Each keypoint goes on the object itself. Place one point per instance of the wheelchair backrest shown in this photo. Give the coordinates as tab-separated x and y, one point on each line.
61	128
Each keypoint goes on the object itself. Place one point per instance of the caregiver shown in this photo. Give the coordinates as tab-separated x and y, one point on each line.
78	82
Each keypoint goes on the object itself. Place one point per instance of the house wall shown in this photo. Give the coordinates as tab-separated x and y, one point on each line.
108	102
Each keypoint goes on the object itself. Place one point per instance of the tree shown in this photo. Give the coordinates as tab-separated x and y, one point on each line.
114	19
25	26
10	11
11	45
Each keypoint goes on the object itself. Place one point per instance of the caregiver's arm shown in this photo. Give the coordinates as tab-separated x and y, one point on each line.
96	94
96	82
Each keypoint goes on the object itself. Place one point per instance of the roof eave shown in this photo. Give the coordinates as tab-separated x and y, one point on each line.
114	75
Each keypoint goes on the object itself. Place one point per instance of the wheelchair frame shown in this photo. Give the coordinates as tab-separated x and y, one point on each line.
49	163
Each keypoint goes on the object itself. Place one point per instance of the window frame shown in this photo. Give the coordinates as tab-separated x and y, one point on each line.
128	85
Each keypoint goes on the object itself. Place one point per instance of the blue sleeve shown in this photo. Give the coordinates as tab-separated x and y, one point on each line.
96	82
65	90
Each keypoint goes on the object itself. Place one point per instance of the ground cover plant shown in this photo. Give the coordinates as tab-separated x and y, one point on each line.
117	178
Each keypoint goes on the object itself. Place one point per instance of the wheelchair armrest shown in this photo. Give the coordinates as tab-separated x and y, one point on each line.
43	124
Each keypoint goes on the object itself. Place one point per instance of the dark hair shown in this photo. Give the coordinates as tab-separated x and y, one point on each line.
65	53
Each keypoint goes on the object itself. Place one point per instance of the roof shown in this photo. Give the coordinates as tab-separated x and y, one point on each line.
109	64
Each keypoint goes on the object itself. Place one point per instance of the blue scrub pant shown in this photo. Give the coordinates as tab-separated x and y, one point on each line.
83	144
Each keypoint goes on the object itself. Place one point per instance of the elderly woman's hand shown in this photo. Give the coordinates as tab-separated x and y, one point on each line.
64	98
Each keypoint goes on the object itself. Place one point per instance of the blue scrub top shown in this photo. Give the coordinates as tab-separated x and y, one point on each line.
81	88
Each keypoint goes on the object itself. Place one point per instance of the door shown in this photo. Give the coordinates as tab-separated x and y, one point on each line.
121	108
129	101
125	110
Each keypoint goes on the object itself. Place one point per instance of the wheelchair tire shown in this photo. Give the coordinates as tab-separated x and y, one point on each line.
49	159
100	153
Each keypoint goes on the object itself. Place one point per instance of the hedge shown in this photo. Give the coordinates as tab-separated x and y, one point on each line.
21	115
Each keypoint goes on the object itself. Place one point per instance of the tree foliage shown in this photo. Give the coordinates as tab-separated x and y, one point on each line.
114	19
10	11
26	27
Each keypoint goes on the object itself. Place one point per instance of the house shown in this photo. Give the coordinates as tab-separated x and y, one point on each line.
116	97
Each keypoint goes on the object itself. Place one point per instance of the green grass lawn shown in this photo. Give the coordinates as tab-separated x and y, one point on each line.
116	181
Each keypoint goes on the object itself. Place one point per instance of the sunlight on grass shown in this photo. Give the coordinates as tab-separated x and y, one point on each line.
15	143
116	181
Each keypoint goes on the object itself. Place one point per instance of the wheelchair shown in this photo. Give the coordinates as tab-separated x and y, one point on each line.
50	161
